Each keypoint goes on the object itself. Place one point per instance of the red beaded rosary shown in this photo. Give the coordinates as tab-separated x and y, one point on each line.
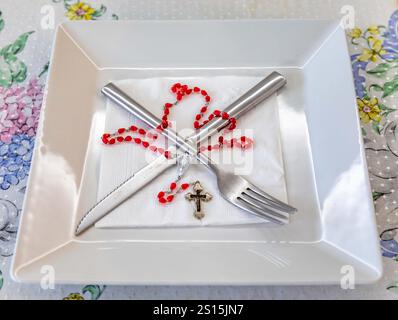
143	138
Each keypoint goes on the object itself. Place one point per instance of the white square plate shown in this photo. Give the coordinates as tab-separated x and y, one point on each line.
325	168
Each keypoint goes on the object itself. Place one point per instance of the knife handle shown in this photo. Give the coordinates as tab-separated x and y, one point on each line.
261	91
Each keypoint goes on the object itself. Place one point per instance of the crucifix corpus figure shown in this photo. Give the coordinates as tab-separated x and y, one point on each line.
198	196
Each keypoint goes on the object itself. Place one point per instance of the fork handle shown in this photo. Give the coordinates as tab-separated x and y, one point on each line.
261	91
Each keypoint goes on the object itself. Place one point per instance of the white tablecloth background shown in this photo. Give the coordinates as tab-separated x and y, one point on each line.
24	15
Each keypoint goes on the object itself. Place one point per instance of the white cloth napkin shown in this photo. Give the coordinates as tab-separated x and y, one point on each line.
262	165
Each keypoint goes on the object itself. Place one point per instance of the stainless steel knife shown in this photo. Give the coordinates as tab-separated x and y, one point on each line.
264	89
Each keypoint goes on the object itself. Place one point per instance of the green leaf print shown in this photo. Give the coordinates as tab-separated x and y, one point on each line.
94	290
376	195
393	287
386	110
390	87
376	127
5	74
1	21
381	70
98	13
13	70
17	67
17	46
1	280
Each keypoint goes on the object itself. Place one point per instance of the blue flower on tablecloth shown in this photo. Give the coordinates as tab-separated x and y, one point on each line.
359	80
15	160
391	38
389	244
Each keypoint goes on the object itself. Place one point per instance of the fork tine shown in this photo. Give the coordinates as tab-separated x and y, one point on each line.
271	199
264	206
261	206
268	202
268	214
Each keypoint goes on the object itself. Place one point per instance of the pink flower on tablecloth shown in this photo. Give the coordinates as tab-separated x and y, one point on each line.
20	110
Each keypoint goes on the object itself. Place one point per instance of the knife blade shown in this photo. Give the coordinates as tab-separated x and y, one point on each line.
264	89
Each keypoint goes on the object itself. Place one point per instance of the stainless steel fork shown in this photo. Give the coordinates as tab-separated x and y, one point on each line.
233	188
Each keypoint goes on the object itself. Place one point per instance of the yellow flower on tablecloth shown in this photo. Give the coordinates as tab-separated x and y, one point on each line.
375	50
355	33
369	110
80	11
74	296
374	30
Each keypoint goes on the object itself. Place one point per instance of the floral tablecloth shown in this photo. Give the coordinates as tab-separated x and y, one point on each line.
26	31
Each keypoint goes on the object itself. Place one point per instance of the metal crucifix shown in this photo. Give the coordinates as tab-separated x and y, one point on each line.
198	197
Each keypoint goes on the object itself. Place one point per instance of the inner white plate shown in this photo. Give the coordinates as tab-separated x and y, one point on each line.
325	168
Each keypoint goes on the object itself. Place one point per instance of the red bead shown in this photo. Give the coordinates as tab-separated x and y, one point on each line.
196	125
243	138
170	198
173	185
221	139
232	127
162	200
217	113
145	144
112	141
211	117
165	124
225	116
121	130
142	131
166	112
105	140
128	138
179	97
196	89
119	139
167	154
189	91
137	140
203	92
177	85
203	110
209	147
164	118
198	117
184	186
168	105
173	89
133	128
207	98
161	194
184	87
106	135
